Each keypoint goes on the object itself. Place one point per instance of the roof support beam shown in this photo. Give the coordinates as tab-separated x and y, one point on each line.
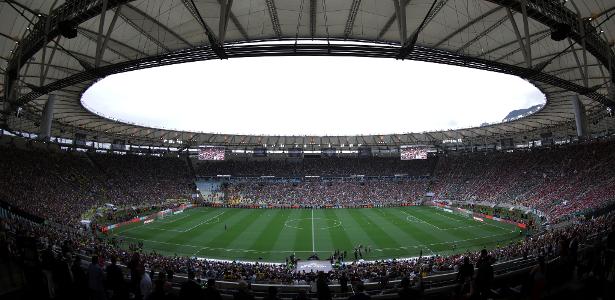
215	44
582	71
91	35
519	39
389	22
482	34
386	27
352	15
237	24
225	13
400	13
100	51
434	12
541	35
467	25
550	13
45	68
408	45
273	15
539	38
131	9
101	27
526	31
312	18
9	37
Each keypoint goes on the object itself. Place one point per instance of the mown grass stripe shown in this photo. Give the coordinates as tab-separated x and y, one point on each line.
303	239
373	229
265	240
235	230
285	239
254	233
339	237
354	229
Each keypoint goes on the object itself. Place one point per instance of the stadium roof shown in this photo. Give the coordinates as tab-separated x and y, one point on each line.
508	36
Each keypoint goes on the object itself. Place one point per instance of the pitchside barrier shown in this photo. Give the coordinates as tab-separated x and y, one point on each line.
444	206
149	218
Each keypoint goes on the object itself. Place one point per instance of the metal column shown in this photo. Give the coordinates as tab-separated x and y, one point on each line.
579	116
47	118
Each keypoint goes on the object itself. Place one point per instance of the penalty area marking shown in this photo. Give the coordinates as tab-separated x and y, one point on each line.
216	217
171	220
421	220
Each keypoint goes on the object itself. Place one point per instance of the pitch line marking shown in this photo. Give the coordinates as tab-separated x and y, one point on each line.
450	218
204	222
189	214
214	220
313	242
408	214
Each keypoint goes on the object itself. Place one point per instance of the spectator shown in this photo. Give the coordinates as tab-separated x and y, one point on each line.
322	287
272	293
115	279
406	291
360	293
344	283
538	279
145	286
243	292
190	289
95	280
211	292
484	276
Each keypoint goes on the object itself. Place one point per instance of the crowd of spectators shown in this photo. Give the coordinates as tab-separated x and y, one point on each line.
145	179
61	186
340	166
558	181
49	252
325	193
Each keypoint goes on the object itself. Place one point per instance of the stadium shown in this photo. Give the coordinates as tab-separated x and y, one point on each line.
321	149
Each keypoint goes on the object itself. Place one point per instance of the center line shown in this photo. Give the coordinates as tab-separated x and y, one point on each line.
313	247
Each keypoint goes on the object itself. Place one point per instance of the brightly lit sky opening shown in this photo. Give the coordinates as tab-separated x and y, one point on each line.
309	96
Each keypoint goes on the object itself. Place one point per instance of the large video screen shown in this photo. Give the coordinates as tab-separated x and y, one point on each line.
413	152
211	153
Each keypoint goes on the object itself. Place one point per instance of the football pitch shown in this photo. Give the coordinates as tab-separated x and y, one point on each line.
271	235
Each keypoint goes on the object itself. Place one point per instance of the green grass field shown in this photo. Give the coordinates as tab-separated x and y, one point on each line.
273	234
